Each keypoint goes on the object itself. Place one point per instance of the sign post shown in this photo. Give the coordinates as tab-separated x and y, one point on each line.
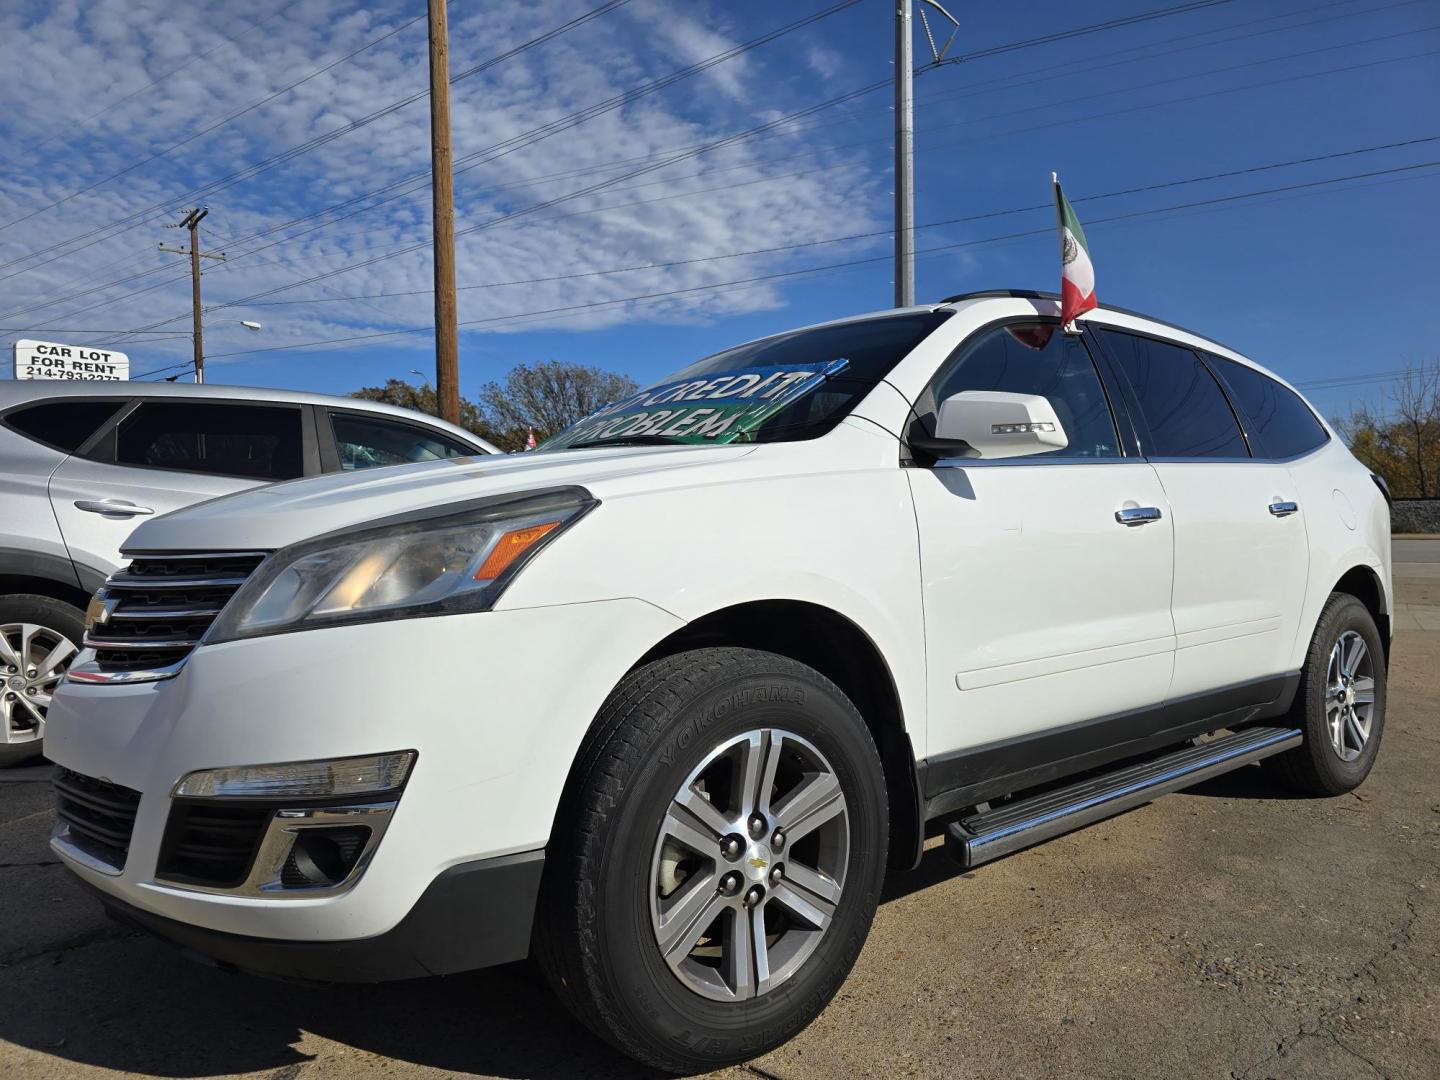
52	360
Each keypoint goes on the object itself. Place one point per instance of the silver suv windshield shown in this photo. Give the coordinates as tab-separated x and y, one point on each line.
785	388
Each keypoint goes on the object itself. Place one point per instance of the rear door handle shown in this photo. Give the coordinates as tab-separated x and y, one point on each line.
1283	509
1137	515
117	507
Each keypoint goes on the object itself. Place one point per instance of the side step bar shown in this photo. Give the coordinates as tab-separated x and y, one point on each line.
993	833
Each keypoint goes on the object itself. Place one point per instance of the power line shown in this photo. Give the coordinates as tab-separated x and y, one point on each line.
875	234
210	188
68	129
485	156
153	270
702	147
1214	201
75	330
695	152
1081	31
470	159
218	124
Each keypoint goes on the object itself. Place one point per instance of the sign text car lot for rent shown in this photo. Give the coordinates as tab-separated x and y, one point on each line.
52	360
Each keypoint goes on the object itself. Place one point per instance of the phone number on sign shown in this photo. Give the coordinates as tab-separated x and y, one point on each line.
30	372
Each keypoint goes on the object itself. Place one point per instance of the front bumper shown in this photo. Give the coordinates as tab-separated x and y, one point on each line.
495	704
472	916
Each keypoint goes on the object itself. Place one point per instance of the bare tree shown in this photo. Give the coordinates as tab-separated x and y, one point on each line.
1415	397
1403	444
548	397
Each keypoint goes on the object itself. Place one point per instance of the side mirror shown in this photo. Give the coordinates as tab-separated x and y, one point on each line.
996	424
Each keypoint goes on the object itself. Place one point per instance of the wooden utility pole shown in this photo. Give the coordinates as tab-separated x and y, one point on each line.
192	222
447	346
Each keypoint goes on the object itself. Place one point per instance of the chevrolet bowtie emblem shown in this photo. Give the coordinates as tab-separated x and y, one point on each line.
758	863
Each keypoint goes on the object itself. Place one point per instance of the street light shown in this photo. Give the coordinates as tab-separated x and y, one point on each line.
249	325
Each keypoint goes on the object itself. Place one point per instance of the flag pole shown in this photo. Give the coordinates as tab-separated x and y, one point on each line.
1068	328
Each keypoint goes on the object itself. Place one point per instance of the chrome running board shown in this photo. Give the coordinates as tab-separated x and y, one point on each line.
990	834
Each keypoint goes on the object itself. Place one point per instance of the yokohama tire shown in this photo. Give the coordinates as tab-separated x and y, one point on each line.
594	932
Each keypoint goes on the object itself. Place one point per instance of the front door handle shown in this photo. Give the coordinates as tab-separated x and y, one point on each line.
1137	515
115	507
1283	509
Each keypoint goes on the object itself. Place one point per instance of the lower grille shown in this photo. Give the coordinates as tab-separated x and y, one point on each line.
212	844
99	815
156	610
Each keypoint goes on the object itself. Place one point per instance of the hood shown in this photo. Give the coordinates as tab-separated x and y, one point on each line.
266	518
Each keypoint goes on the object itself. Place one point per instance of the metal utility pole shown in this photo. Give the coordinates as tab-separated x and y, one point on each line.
905	135
447	346
904	159
192	222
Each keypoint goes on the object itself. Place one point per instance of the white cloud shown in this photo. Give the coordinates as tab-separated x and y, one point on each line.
48	61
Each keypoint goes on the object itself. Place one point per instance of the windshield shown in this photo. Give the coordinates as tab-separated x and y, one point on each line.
788	387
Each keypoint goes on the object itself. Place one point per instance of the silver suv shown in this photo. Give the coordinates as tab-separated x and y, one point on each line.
82	465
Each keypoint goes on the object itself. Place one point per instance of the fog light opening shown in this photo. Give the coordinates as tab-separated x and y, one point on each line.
323	857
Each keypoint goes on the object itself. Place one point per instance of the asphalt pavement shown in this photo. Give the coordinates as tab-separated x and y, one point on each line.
1232	930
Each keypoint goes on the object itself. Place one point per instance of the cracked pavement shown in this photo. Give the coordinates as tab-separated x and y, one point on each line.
1229	931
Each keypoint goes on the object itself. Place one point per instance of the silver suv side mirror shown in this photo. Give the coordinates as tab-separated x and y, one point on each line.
997	424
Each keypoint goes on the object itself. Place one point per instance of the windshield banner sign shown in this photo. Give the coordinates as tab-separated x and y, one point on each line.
718	408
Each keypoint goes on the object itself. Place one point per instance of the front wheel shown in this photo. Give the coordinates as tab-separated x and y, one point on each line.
717	860
1340	704
39	636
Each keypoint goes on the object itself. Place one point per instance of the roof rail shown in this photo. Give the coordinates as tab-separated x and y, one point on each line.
1013	294
1032	294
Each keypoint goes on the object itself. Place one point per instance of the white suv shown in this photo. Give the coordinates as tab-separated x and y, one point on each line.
662	701
81	463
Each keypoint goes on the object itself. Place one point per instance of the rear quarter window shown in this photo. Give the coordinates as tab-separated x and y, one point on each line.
1274	415
64	425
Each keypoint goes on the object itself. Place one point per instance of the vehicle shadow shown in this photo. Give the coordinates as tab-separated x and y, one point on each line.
123	1001
135	1005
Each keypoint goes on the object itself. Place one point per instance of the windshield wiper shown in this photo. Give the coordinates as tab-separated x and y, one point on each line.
629	440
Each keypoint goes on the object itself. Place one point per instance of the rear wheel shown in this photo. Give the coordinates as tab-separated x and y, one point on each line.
718	859
39	636
1340	705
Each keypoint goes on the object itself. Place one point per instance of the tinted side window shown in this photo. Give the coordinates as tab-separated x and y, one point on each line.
63	424
1280	423
1035	358
260	441
365	442
1183	405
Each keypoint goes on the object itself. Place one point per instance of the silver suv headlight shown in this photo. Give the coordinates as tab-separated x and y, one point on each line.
400	568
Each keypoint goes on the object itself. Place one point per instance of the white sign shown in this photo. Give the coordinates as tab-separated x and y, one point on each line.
51	360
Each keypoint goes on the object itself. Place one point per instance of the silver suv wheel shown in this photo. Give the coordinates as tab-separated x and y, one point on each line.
749	865
1349	695
33	658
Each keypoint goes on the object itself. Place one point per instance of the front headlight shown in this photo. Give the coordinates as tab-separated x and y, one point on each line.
400	568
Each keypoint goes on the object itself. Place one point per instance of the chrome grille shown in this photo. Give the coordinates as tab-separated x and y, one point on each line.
156	610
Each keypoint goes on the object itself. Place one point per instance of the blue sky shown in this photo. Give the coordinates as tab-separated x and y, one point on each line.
1328	283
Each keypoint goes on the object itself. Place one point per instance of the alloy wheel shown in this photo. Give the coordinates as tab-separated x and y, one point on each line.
1349	695
749	865
33	659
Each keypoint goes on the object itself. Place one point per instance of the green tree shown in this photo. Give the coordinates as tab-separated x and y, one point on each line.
547	397
424	399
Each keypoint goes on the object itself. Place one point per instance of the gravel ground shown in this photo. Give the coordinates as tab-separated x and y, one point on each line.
1229	931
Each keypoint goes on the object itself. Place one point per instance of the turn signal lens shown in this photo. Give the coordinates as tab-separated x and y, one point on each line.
510	547
301	779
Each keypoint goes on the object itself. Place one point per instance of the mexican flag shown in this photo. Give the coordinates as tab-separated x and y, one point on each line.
1077	273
